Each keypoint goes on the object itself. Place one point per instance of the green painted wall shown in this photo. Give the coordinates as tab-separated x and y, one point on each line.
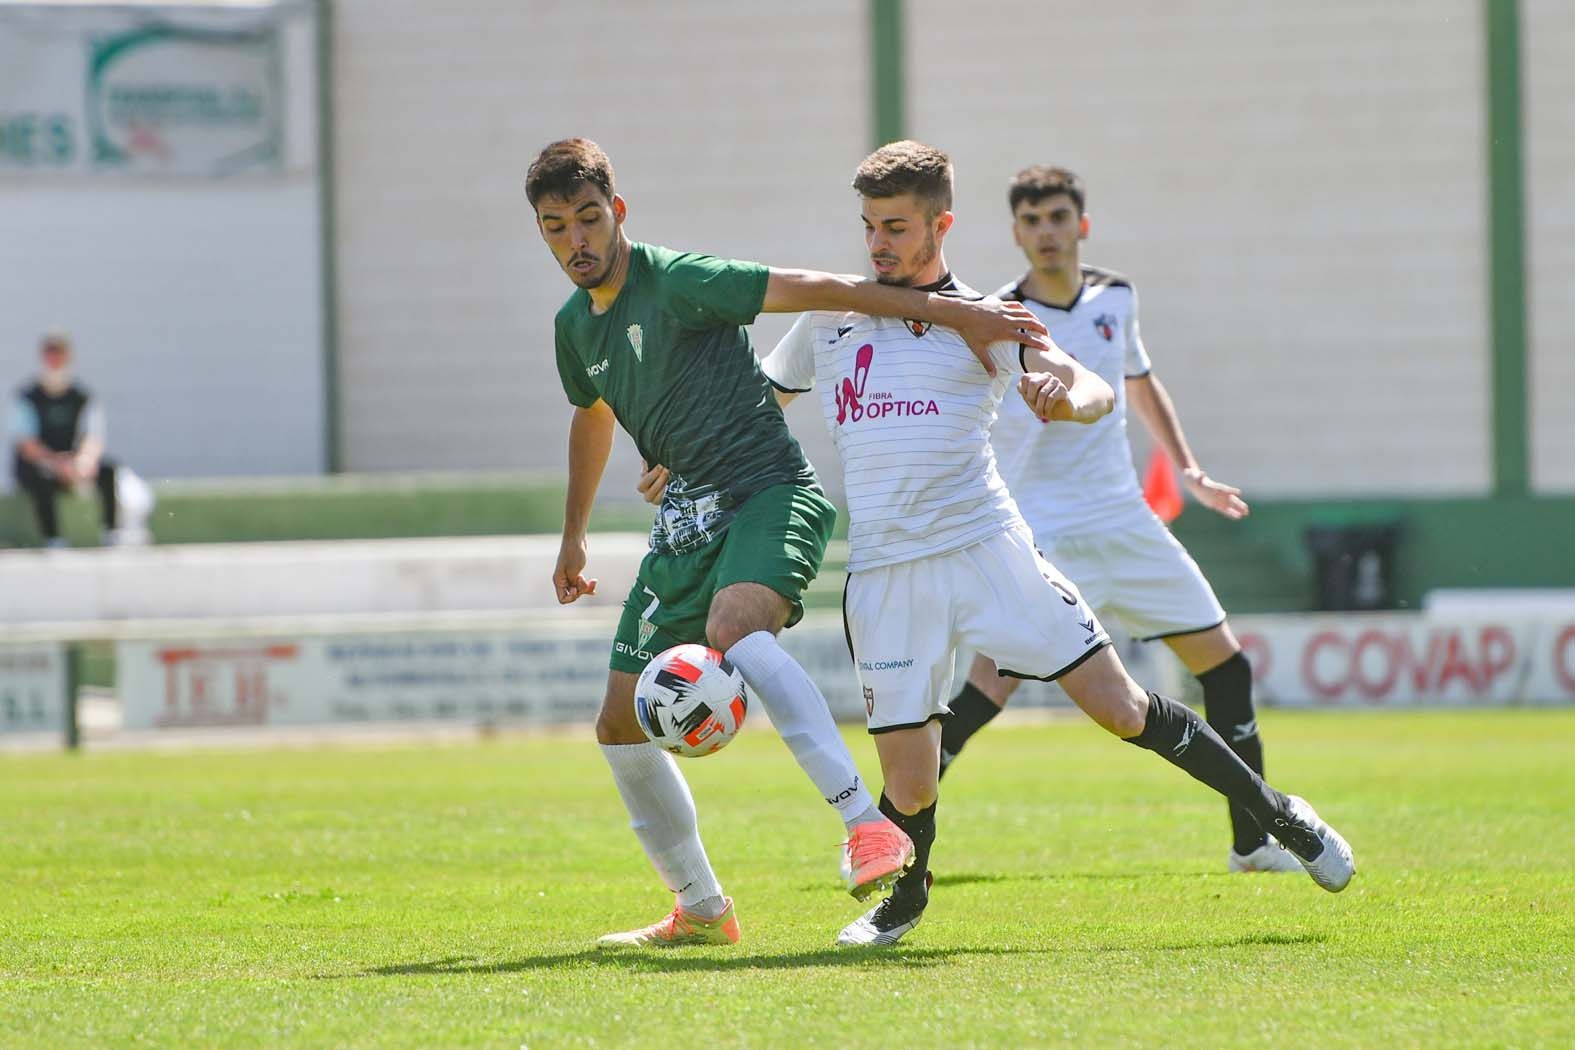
1263	564
344	507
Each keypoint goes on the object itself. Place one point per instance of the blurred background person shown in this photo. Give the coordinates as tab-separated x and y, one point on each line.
57	441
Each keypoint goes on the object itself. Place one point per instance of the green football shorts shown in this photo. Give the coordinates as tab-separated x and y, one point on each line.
777	538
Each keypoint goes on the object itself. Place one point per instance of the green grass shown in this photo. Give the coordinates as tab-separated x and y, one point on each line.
447	896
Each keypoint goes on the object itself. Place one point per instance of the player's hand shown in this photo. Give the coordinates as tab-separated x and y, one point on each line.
1215	495
1046	396
986	321
568	579
653	482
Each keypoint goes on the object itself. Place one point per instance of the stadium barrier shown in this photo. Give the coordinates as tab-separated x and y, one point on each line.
251	580
1457	658
303	634
533	669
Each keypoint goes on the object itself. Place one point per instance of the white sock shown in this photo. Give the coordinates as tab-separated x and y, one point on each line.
662	814
799	712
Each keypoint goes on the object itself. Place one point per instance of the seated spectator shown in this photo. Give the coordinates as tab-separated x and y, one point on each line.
57	436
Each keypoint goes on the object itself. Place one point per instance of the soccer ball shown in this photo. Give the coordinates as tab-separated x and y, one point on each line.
690	700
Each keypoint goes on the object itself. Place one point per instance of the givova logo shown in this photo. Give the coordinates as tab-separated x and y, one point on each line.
855	403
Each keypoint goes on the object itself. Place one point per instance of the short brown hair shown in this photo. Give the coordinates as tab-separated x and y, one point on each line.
907	167
1040	181
566	165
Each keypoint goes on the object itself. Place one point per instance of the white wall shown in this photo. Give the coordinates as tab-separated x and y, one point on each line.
1300	194
195	313
1297	190
194	303
1548	89
734	130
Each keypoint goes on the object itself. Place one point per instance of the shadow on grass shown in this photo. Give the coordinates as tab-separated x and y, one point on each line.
681	960
1245	941
684	960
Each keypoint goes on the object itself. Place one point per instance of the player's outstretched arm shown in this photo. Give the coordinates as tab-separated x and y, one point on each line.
1152	403
979	322
590	443
1058	388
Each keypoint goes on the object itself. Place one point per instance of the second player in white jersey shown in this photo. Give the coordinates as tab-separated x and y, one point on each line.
1079	492
1077	486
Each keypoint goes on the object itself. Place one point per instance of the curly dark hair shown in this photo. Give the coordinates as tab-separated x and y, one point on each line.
907	167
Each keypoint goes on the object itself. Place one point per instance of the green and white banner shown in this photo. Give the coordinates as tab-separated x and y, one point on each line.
142	91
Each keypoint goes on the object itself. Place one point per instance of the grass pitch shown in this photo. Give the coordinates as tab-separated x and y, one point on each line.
448	895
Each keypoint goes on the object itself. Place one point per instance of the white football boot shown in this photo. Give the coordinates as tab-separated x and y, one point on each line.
1271	856
1333	865
887	922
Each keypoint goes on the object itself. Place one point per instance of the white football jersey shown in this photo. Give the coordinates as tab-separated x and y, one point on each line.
909	408
1071	479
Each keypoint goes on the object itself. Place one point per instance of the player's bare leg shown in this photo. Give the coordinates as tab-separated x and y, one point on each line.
1215	659
1104	691
909	766
743	623
662	814
981	699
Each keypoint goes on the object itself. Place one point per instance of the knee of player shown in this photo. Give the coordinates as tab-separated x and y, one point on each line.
910	795
1130	715
615	722
613	730
1116	703
606	730
723	631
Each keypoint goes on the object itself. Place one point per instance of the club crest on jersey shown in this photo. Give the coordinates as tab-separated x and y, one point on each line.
1105	325
855	403
919	328
636	337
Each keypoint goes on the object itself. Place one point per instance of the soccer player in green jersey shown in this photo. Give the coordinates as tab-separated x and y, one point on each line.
654	340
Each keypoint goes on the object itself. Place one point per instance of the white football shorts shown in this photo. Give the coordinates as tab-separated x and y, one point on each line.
999	597
1140	575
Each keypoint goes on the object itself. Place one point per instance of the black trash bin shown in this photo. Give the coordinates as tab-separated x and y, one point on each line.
1355	565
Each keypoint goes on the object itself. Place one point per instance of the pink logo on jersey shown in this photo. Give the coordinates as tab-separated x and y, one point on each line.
1105	325
850	395
854	404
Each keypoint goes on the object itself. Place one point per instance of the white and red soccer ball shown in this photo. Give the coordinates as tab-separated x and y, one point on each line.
690	700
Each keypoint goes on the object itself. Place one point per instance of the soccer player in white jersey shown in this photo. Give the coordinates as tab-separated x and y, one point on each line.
1077	488
939	556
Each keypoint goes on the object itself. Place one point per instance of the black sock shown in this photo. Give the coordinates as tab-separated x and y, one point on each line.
1176	733
920	827
1227	705
971	712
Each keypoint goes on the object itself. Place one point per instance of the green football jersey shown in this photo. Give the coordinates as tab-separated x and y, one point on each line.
672	359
